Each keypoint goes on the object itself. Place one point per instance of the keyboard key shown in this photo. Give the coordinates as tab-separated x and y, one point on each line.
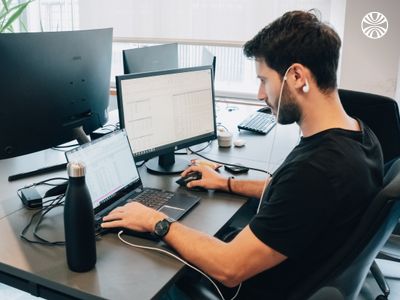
154	198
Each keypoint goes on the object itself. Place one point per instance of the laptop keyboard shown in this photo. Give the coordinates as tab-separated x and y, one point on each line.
258	122
153	198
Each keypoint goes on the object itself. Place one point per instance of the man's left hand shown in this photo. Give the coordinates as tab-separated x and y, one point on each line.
134	216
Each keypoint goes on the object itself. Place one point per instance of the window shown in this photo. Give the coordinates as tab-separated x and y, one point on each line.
220	25
53	15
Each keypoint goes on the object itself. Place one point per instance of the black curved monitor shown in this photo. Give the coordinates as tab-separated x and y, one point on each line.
165	111
51	84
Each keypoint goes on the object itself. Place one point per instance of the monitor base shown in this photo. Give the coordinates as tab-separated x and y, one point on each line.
154	167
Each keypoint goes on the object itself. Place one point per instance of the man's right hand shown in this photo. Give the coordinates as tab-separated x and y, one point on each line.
210	179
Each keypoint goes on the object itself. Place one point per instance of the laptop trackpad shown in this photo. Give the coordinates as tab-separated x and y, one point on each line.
172	212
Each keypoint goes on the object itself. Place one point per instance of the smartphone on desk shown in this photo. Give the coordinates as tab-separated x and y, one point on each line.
237	169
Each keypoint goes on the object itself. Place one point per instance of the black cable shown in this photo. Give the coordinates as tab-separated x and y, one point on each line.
233	165
47	180
56	202
141	164
52	184
52	203
205	147
44	210
22	235
202	149
36	228
44	182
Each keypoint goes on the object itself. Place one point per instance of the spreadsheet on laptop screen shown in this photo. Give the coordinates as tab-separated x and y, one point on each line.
110	165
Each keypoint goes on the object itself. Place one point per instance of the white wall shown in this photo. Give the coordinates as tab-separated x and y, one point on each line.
337	20
371	65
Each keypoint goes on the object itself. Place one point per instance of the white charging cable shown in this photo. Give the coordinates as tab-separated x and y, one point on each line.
179	259
275	130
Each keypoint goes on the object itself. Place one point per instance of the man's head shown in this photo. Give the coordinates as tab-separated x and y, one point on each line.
297	43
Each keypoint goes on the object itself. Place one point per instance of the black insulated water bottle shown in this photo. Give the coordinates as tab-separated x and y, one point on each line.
79	221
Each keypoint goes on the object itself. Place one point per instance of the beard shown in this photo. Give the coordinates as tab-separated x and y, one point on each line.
289	111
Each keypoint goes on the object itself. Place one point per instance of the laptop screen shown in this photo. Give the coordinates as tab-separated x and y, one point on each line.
110	166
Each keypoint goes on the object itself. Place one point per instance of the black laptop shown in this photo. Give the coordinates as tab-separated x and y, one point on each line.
113	179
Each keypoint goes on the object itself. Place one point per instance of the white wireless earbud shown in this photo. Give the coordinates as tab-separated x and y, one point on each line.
306	87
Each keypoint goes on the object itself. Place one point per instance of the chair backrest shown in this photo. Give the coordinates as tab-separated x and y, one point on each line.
380	113
347	269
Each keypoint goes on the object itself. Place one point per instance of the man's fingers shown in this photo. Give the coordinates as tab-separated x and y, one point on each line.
194	183
190	169
114	215
111	224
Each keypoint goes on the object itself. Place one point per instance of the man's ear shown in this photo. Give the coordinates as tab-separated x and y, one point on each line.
300	76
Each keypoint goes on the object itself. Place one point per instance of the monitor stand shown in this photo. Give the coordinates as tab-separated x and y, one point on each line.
167	164
78	133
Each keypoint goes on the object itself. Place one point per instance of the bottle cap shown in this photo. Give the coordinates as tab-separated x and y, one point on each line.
76	169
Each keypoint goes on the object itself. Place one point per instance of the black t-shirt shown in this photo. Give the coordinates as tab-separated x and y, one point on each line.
312	204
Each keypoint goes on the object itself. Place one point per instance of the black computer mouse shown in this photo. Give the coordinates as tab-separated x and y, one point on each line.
183	181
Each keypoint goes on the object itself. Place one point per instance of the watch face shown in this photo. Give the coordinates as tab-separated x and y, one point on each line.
161	228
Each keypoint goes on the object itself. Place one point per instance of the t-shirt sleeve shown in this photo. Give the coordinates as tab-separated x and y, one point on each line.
296	212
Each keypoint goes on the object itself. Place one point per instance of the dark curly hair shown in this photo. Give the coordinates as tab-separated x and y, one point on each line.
299	37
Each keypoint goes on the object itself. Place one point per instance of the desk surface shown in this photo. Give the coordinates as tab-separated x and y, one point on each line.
121	271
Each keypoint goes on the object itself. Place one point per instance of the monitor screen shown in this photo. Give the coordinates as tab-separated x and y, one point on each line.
165	111
52	85
152	58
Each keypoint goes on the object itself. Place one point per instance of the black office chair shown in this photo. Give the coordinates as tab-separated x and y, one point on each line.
344	274
381	114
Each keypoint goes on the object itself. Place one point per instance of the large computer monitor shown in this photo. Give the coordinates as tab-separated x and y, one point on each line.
52	85
152	58
165	111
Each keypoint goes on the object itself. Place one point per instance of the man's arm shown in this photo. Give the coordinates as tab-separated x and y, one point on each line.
229	263
212	180
249	188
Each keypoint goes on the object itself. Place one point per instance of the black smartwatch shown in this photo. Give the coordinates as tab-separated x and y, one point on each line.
162	227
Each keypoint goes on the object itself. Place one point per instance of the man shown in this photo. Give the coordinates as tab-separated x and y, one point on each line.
314	199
